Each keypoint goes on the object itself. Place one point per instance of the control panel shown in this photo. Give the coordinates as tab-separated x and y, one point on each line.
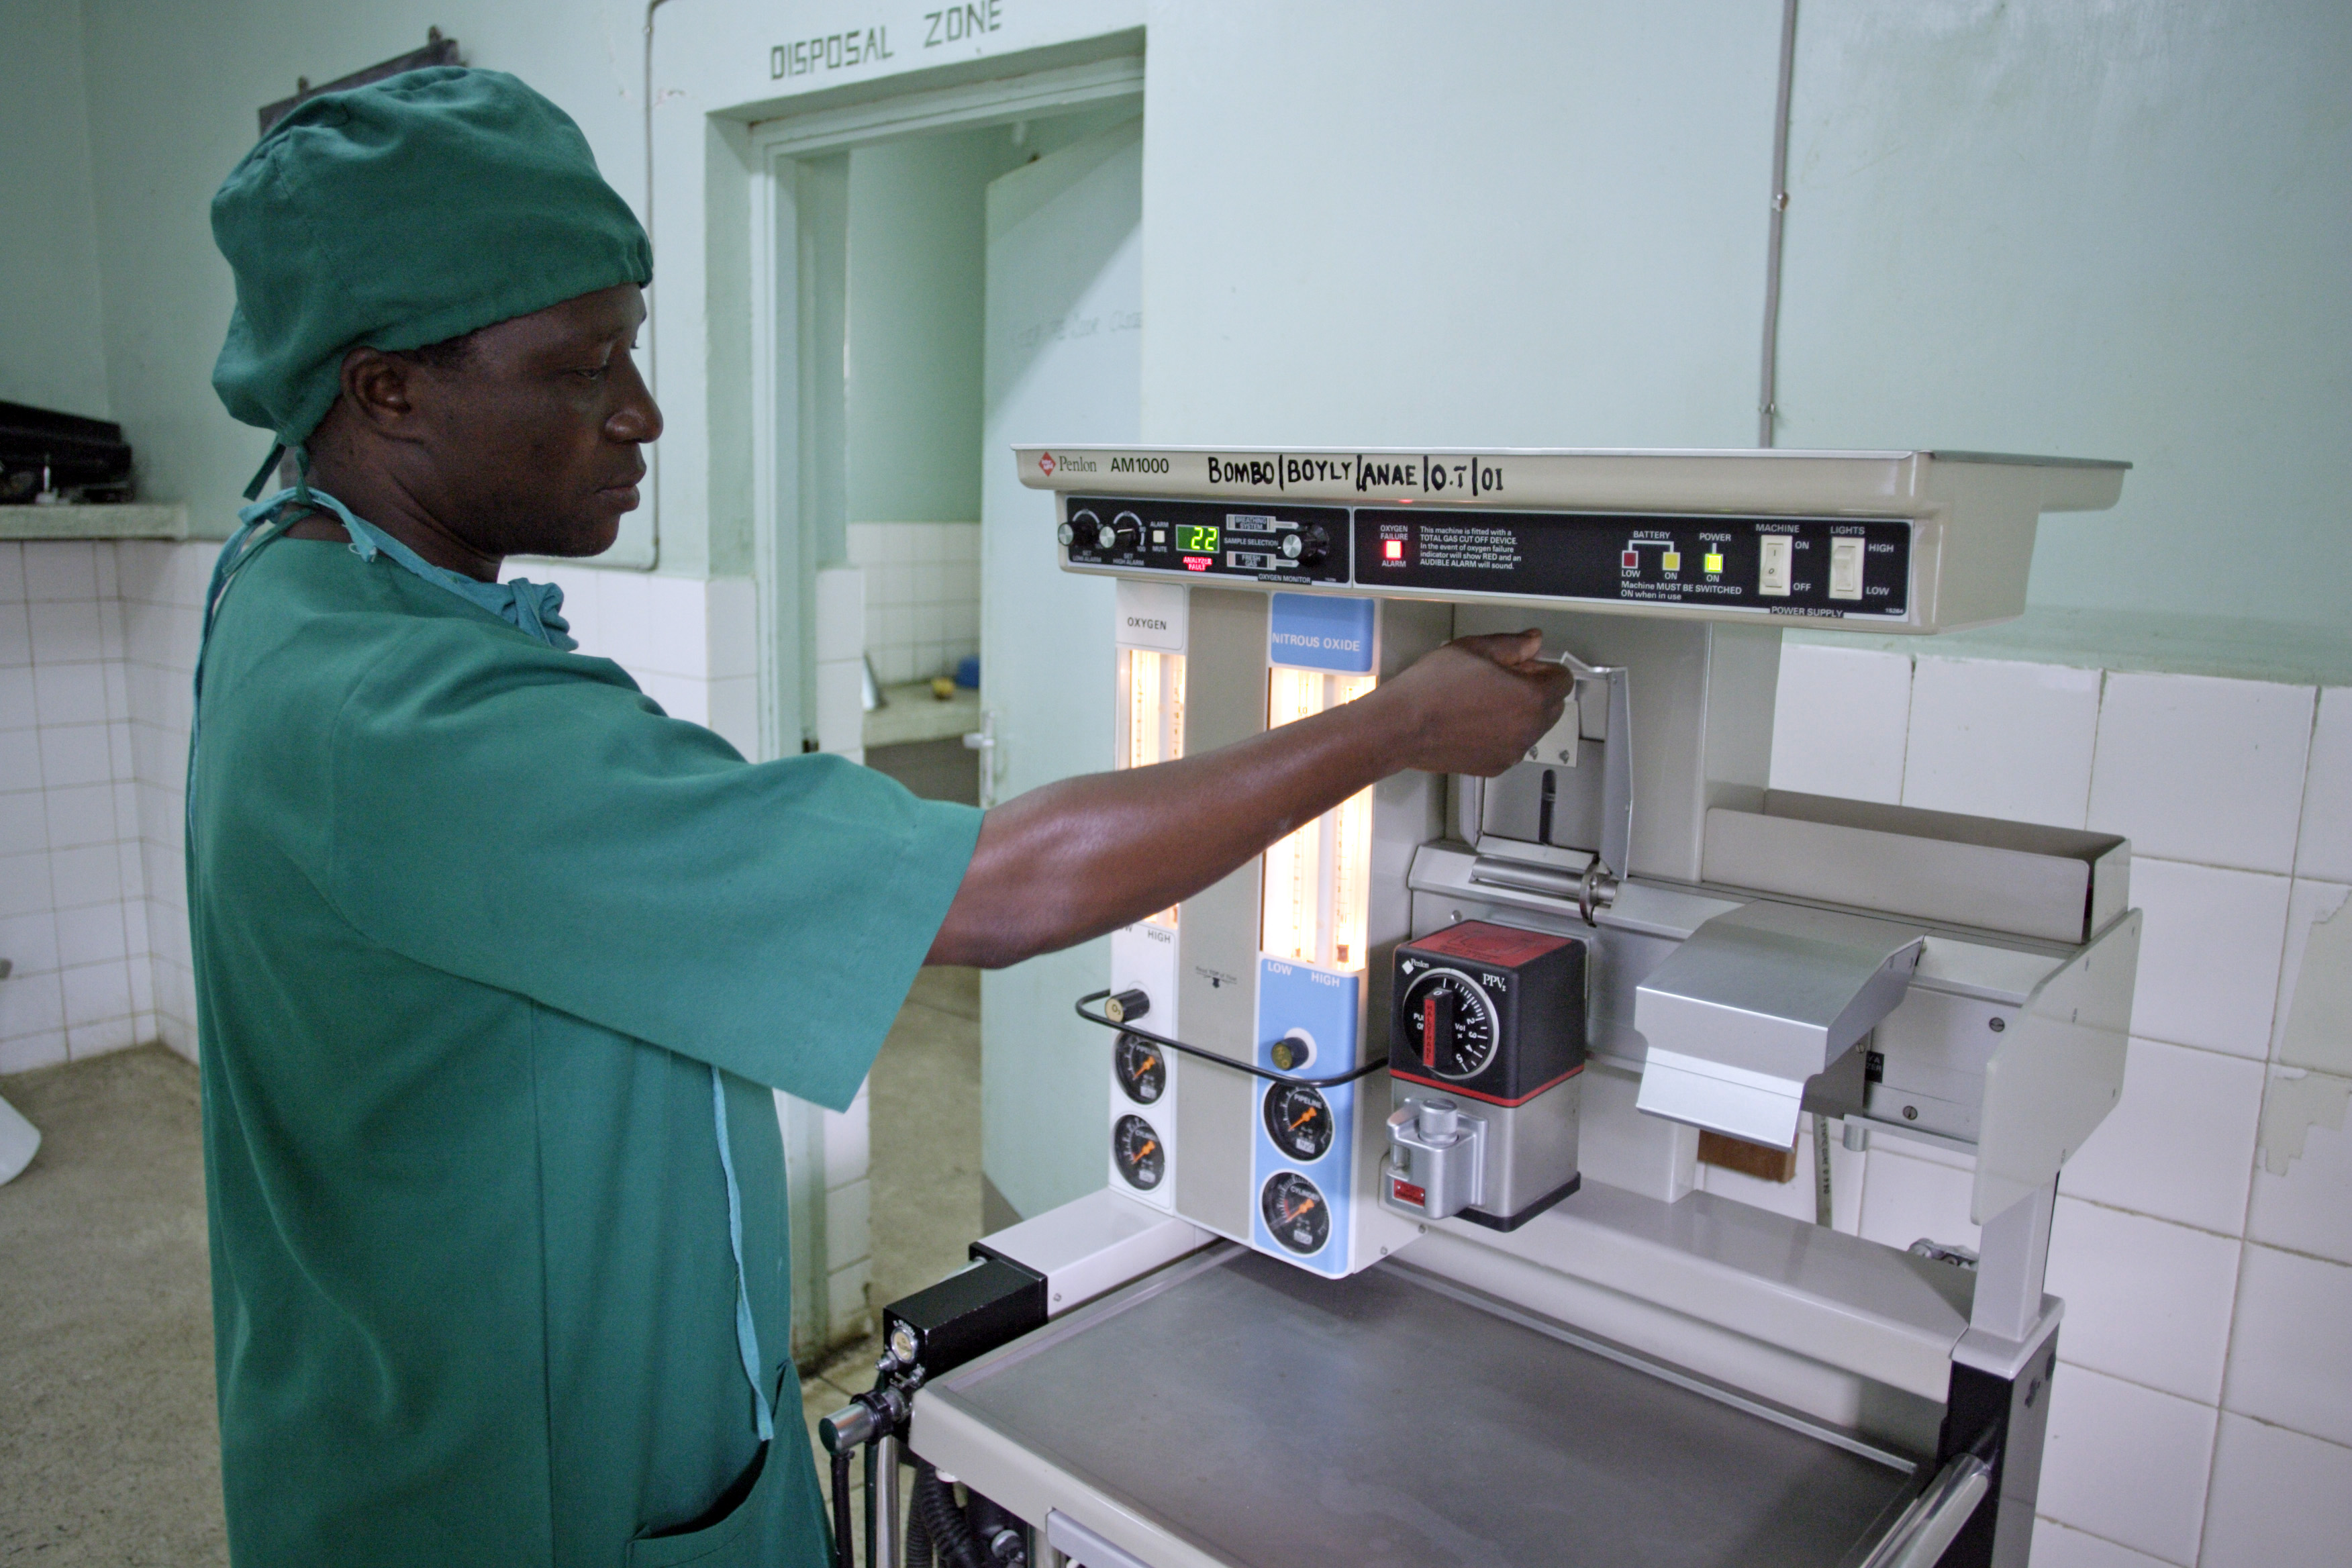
1263	542
1779	565
1838	567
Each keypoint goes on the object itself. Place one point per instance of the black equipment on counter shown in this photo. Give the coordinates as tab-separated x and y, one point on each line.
41	450
989	1302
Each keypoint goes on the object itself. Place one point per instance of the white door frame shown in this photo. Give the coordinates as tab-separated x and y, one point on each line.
784	551
780	439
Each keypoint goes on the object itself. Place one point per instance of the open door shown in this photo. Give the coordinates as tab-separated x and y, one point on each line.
1064	362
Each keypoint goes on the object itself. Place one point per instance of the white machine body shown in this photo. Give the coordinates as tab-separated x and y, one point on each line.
1746	957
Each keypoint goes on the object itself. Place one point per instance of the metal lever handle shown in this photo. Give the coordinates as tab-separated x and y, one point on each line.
1935	1516
1592	889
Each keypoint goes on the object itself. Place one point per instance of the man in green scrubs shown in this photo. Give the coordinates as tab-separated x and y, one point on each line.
497	964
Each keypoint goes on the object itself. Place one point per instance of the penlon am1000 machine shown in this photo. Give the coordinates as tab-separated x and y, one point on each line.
1400	1257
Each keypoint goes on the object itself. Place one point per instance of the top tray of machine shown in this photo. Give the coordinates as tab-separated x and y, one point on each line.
1898	541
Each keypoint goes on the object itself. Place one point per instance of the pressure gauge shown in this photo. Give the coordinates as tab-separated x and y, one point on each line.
1137	1151
1452	1024
1142	1070
1295	1213
1298	1120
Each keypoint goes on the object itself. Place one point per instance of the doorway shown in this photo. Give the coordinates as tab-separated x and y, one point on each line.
914	252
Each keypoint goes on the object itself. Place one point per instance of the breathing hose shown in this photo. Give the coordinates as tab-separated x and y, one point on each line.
844	1547
918	1539
944	1523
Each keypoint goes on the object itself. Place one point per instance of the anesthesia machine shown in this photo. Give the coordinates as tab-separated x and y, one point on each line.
1400	1257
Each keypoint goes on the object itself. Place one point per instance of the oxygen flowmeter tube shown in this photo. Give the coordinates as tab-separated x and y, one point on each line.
1151	718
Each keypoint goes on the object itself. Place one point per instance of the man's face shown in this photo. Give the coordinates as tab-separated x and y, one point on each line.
529	444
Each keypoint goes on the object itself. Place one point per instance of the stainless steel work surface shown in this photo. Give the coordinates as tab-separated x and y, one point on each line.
1274	1418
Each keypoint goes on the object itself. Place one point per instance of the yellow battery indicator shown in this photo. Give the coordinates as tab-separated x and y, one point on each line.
1714	564
1671	561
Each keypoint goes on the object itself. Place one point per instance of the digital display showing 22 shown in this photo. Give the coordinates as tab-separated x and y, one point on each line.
1196	538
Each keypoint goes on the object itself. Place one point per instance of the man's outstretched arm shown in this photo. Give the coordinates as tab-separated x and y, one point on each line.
1074	860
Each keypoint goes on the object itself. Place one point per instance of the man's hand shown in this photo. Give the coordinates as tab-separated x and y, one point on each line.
1074	860
1481	703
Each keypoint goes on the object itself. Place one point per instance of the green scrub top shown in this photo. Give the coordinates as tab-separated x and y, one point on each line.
473	923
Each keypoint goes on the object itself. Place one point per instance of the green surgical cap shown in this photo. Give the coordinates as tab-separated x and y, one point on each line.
404	213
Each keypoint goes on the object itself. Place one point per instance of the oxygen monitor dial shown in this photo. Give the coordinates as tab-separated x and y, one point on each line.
1489	1011
1121	534
1455	1031
1307	545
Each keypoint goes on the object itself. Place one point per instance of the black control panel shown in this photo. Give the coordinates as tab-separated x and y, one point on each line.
1261	540
1783	565
1808	566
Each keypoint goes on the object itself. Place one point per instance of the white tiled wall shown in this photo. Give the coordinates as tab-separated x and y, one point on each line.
98	643
75	878
162	590
690	643
922	595
2203	1237
841	640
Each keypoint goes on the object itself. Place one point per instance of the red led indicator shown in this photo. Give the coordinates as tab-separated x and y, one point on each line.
1393	549
1631	560
1198	562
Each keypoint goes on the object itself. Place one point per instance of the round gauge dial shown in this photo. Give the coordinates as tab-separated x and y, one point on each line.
1137	1151
1298	1120
1142	1068
1295	1212
1450	1024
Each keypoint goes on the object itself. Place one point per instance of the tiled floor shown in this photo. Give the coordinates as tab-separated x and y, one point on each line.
925	1171
106	1358
107	1446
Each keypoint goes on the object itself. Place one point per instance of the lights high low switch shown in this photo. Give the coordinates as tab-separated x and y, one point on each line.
1845	568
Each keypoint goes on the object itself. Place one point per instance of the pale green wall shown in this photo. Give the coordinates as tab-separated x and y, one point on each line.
2116	231
917	233
52	349
172	90
915	277
2113	231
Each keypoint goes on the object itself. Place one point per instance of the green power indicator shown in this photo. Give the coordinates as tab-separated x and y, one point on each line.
1196	538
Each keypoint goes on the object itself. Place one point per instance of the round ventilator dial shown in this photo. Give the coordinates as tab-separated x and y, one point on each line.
1142	1068
1136	1149
1298	1120
1295	1213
